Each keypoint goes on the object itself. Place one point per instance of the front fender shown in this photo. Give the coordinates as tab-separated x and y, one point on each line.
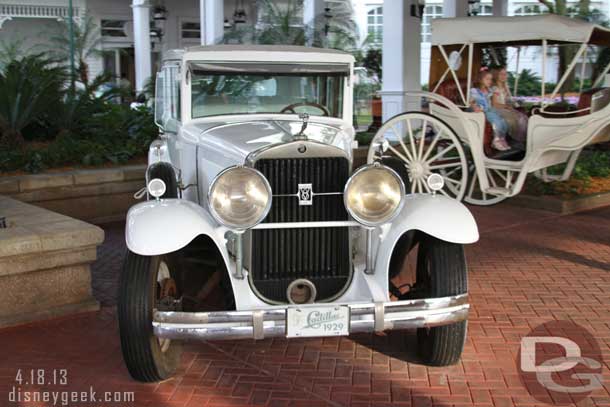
435	215
159	227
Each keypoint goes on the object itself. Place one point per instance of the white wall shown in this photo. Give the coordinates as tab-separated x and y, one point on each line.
33	33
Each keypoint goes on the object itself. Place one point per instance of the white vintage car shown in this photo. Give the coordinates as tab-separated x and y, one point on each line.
256	226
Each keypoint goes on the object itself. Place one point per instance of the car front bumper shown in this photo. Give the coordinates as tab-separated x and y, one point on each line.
267	323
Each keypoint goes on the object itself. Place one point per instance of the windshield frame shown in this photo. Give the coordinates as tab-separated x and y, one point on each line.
344	70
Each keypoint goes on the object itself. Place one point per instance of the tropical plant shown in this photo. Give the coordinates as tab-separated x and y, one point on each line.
11	51
87	41
73	115
529	83
114	134
279	26
29	87
336	28
372	62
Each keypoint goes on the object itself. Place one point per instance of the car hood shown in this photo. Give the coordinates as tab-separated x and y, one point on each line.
230	142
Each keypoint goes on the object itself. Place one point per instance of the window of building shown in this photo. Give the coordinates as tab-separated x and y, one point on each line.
430	12
530	10
374	24
190	30
486	10
114	28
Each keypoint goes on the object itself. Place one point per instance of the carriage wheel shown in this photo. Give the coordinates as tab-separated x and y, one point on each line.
423	144
497	178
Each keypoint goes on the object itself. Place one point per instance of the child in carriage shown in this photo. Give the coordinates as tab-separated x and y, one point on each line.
480	101
502	101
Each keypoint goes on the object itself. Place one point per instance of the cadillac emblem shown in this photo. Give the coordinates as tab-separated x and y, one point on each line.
305	195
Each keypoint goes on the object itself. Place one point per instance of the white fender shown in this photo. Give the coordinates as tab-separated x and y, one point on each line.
436	215
167	225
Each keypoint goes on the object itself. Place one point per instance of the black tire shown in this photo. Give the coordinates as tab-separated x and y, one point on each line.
165	172
441	267
144	357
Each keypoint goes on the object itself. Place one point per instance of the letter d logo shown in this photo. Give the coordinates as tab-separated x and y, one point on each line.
528	354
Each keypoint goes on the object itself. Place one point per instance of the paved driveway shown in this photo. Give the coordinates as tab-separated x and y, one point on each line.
530	267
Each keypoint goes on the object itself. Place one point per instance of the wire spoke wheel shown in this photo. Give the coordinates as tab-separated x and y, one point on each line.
497	178
423	145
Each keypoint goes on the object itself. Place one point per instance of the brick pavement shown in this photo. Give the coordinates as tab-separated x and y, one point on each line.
529	267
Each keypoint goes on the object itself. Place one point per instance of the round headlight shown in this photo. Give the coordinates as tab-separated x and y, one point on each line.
240	197
374	195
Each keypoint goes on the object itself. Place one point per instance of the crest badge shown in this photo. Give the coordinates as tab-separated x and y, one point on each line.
305	195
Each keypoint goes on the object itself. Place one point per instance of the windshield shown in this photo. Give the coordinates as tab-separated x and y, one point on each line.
281	88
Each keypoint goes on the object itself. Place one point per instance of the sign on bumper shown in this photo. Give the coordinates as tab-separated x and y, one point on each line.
317	321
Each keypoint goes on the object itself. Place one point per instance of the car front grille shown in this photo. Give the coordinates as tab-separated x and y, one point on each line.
321	255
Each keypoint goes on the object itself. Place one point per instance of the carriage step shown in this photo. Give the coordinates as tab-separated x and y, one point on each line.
499	191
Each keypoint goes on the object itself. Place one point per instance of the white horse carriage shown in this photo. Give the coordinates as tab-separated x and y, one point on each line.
446	137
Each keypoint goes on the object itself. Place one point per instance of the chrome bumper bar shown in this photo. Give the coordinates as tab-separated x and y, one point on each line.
259	324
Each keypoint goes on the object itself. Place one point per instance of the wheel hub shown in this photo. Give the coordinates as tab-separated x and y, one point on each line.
418	169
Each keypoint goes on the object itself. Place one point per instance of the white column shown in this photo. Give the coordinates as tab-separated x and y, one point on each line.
141	42
211	17
455	8
400	57
312	9
500	8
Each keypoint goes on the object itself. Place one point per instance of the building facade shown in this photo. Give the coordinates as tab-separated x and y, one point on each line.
135	33
369	18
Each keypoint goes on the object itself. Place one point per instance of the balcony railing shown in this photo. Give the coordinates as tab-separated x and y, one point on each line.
34	11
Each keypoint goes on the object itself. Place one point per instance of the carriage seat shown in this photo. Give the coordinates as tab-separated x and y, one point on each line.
450	90
596	99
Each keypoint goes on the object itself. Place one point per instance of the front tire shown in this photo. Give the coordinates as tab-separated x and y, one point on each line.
147	358
442	272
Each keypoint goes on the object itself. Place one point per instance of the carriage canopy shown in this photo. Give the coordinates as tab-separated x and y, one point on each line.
517	30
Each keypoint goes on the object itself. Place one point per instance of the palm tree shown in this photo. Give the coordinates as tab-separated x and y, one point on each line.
282	25
336	28
87	41
11	51
279	26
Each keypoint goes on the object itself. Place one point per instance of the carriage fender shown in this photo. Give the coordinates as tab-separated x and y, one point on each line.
436	215
159	227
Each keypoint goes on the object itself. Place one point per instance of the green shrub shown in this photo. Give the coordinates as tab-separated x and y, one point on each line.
364	138
116	135
30	88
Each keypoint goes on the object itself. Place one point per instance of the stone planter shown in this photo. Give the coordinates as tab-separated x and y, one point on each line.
97	196
44	263
561	205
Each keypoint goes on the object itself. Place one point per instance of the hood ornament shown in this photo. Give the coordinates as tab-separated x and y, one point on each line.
301	134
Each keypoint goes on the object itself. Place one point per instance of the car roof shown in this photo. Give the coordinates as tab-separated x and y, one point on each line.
250	52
